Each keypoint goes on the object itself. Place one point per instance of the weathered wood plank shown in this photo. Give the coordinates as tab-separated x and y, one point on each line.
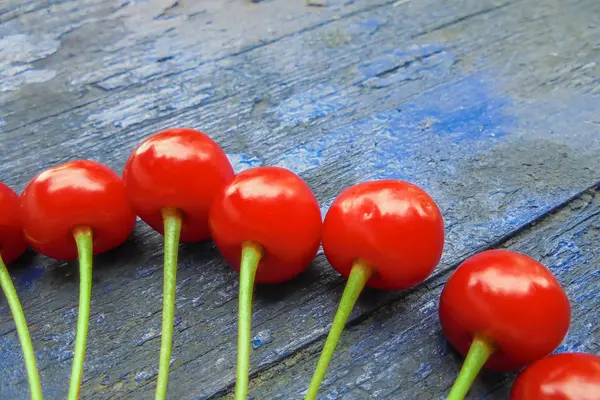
454	97
400	352
75	52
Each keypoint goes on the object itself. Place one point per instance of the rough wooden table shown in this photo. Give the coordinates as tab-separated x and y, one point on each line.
493	106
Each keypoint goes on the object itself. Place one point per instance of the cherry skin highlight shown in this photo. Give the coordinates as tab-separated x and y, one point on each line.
565	376
393	226
386	234
12	240
78	193
180	168
274	208
267	225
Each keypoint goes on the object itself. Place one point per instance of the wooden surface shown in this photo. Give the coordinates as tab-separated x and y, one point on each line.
492	106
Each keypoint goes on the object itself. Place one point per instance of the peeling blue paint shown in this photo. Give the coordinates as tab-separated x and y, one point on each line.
428	140
369	26
11	364
318	102
134	110
462	113
17	53
241	162
301	159
423	371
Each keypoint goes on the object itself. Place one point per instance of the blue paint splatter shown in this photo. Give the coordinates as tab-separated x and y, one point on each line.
26	277
144	272
300	159
107	287
318	102
262	338
423	371
11	358
464	113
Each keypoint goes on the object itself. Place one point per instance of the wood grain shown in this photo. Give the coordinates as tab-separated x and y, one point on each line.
400	352
491	106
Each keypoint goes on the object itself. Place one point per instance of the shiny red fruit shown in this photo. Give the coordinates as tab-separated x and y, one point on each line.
12	241
77	193
394	226
512	300
275	208
179	168
566	376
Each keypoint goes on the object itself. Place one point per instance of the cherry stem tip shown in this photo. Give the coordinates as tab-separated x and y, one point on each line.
251	255
480	351
172	219
358	278
35	386
83	238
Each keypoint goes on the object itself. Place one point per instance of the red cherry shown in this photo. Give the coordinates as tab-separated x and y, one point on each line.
393	226
75	210
566	376
385	234
75	194
268	222
503	309
171	179
275	208
177	168
12	241
12	245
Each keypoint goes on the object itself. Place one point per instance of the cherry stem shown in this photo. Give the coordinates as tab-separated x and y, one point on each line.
479	352
172	227
251	255
83	238
359	275
8	288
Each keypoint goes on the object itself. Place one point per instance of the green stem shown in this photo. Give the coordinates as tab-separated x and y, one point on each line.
251	255
35	387
479	352
83	238
172	221
359	275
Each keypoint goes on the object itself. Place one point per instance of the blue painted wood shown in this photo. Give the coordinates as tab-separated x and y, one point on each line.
400	352
491	106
